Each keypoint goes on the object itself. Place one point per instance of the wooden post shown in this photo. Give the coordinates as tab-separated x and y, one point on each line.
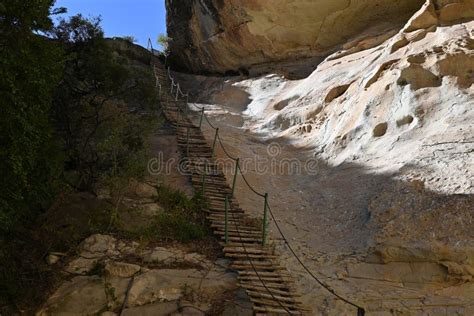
215	140
187	104
235	176
178	117
226	224
187	142
202	116
204	178
265	220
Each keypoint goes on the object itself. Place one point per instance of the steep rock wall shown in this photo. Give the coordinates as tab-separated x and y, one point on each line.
252	35
391	118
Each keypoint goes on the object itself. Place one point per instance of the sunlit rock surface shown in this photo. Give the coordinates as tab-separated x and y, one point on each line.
404	105
388	219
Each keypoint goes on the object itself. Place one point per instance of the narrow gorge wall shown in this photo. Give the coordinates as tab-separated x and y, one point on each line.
220	36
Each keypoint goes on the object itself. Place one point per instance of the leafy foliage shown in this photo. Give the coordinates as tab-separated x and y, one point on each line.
30	68
90	112
72	113
182	219
130	38
164	42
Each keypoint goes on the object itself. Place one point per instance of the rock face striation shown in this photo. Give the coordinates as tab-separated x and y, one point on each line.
252	35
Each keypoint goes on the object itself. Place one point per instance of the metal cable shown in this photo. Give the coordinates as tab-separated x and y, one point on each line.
223	148
253	266
248	184
306	268
209	122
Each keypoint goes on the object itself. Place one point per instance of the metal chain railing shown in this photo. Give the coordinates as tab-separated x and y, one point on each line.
237	170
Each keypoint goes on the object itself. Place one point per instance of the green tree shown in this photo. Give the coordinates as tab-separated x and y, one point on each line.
90	105
164	42
129	38
91	80
30	68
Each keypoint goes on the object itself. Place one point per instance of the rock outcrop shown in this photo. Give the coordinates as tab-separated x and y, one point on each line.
253	35
112	276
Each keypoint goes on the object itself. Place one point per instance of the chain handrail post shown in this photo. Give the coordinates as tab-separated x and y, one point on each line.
265	220
202	116
178	117
187	142
226	220
234	180
215	142
150	44
187	104
204	178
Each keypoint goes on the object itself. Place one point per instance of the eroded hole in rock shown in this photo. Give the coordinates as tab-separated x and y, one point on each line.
405	120
416	59
380	129
283	104
385	66
418	77
336	92
458	65
314	113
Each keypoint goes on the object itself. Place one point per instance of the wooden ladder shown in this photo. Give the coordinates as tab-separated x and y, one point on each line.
268	284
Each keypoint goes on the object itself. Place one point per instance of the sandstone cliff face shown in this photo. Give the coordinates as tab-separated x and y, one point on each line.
252	35
388	219
403	105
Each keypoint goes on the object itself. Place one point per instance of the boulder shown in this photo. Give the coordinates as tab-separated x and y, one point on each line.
163	308
168	285
81	265
162	255
121	269
97	246
85	295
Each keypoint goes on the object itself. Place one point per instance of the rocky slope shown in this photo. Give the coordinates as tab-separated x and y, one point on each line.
112	277
128	274
387	219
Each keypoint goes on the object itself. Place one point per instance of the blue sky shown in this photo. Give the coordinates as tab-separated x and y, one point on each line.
142	19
